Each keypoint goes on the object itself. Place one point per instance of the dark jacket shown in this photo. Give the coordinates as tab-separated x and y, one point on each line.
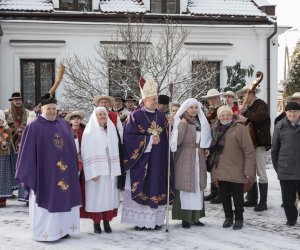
258	114
286	150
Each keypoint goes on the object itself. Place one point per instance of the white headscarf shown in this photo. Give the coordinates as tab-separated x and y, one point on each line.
96	159
2	118
205	136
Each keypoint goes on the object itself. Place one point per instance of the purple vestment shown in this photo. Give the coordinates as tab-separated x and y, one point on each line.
148	171
47	164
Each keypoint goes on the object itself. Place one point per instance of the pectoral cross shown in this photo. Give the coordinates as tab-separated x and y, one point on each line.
154	129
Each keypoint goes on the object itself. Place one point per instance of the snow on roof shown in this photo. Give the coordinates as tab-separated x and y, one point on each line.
26	5
263	3
224	7
128	6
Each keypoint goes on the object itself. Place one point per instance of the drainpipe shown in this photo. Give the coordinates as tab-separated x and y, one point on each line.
269	63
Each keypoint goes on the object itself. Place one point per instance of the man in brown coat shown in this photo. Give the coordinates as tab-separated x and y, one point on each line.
256	111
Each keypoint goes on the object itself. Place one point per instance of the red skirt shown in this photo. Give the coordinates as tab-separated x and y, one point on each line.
96	217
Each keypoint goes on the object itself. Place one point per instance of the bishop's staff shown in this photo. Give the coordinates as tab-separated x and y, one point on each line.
169	159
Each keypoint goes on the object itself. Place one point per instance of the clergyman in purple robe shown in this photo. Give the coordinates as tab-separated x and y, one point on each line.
146	163
47	168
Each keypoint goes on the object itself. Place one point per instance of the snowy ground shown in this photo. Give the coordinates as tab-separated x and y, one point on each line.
262	230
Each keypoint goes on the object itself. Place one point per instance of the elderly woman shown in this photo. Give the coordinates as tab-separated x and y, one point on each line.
234	164
101	165
191	136
6	171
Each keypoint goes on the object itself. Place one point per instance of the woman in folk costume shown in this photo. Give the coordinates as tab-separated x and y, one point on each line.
6	168
101	165
191	136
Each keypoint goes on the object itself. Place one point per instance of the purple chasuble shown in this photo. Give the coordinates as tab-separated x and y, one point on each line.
47	164
148	171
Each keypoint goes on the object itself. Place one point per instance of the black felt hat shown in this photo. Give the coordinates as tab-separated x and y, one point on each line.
292	106
16	95
47	99
163	99
119	97
129	98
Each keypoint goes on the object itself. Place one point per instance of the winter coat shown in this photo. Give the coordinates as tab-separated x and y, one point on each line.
237	159
185	158
286	150
258	114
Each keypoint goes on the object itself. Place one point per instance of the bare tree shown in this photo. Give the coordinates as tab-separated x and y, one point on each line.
131	53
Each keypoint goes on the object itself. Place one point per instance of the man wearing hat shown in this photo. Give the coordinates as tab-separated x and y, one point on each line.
256	111
213	97
146	163
293	98
119	108
108	102
17	118
129	103
286	159
230	98
47	167
163	103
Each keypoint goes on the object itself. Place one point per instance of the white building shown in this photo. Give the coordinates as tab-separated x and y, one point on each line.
36	34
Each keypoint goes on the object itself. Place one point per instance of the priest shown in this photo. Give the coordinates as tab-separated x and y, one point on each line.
146	163
47	168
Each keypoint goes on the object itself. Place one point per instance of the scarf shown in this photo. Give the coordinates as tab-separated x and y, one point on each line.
99	147
205	132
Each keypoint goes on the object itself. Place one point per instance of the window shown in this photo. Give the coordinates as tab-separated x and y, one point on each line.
206	75
123	77
37	78
165	6
76	5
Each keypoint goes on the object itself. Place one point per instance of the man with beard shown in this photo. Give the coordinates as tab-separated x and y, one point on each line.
17	118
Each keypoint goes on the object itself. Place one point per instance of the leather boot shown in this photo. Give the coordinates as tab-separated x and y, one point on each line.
228	222
252	196
263	191
185	224
238	224
213	193
97	228
107	228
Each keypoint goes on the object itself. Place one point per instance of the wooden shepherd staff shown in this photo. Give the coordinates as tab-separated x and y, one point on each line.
169	159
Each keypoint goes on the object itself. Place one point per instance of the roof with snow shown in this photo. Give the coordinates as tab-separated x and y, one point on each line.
122	6
26	5
224	7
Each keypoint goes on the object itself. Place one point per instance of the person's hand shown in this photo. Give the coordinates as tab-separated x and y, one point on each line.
184	120
206	153
155	139
96	178
243	109
171	119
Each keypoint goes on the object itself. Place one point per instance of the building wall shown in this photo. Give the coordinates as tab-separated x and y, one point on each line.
249	45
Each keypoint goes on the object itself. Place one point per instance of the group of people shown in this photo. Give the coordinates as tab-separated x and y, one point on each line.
155	155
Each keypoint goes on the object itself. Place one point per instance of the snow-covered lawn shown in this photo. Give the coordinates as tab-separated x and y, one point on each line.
262	230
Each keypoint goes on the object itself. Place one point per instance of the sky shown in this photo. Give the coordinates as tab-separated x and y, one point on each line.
287	12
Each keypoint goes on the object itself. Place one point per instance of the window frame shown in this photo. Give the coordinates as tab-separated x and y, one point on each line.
37	75
75	5
164	7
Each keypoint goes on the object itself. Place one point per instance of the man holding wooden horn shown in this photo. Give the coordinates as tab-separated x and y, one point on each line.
256	111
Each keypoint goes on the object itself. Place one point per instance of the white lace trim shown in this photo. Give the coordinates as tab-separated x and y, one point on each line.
141	215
